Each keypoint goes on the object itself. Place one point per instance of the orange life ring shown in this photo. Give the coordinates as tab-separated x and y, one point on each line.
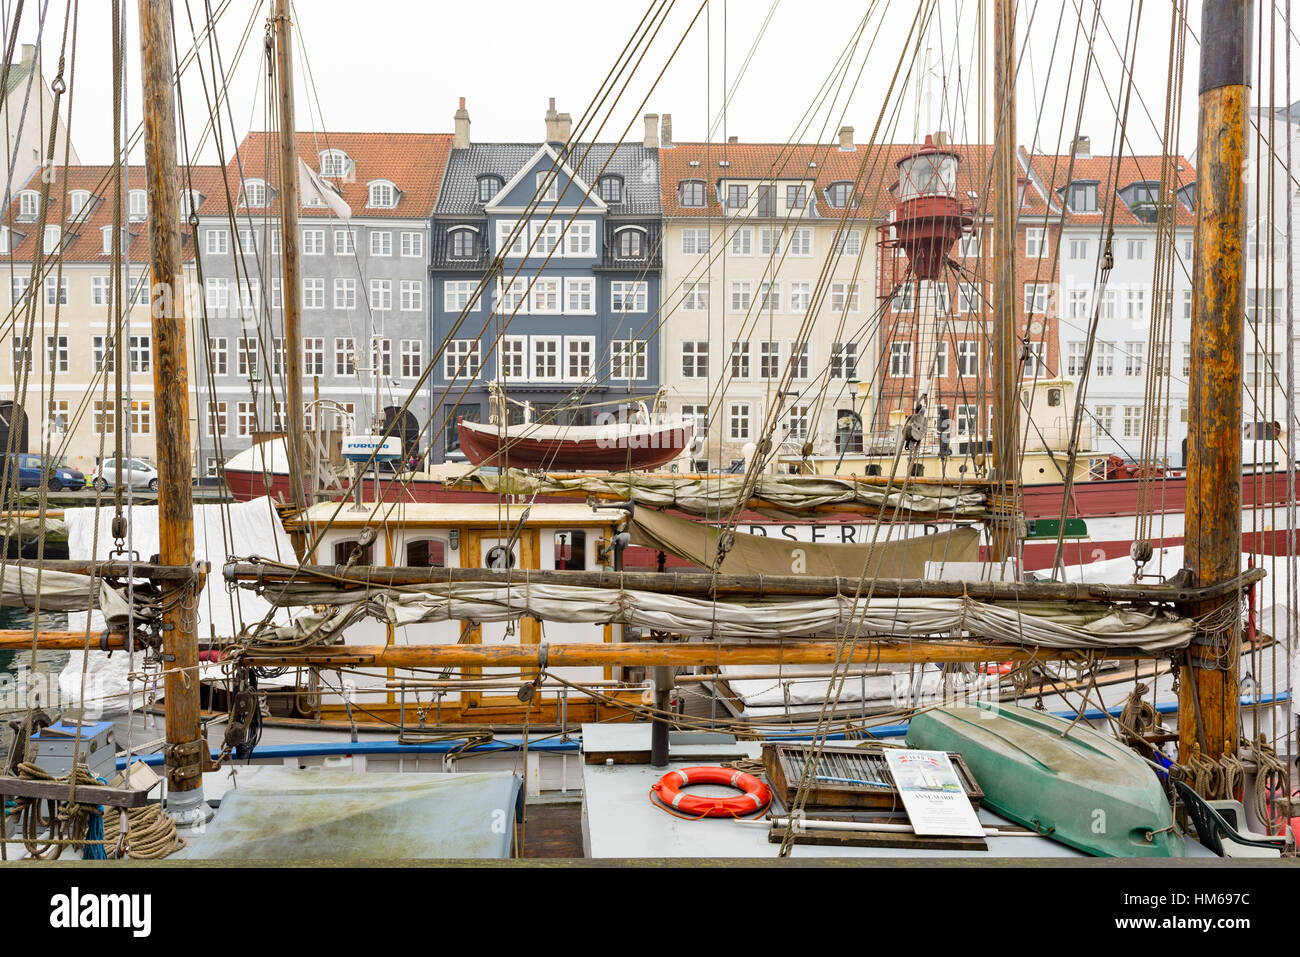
757	796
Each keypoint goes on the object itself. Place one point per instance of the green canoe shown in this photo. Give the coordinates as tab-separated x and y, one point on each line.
1070	783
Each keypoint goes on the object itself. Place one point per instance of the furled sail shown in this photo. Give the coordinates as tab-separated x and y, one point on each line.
779	496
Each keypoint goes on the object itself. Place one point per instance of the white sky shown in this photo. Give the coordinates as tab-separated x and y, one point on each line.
400	65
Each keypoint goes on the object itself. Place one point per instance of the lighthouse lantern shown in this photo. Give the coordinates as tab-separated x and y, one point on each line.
928	217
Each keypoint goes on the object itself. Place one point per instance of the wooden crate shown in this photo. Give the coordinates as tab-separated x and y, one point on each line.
784	764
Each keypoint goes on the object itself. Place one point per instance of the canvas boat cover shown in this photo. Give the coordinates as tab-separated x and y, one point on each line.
296	814
697	543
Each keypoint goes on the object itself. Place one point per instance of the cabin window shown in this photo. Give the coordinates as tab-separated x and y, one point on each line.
426	553
571	550
344	550
917	470
872	470
1053	398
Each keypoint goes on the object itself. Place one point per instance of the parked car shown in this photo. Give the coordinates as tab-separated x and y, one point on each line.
134	473
33	471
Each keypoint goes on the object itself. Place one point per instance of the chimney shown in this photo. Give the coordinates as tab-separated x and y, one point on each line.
1083	146
563	128
940	138
552	124
666	132
651	131
846	137
733	139
28	56
460	139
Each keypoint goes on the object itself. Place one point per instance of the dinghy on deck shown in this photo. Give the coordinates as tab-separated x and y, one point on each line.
1062	779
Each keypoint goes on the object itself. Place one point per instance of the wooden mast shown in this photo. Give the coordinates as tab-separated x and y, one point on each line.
1207	712
1006	355
292	292
186	746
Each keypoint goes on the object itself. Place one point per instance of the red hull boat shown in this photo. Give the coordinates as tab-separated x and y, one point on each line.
571	448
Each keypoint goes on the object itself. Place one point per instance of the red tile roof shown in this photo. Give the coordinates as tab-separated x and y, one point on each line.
413	162
873	168
1055	172
83	240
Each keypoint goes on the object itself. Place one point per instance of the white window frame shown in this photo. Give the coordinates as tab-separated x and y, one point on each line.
412	244
411	292
579	346
576	289
580	239
547	296
638	291
628	355
452	292
313	293
513	351
536	353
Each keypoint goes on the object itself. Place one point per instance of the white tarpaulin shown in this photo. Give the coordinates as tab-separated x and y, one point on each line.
220	532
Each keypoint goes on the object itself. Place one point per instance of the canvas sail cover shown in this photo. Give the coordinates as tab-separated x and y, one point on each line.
697	543
778	496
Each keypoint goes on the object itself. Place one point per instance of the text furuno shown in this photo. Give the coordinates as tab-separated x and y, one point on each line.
77	910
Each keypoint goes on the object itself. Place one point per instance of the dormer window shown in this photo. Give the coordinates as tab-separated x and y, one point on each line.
839	194
690	192
630	243
4	239
383	195
28	203
190	201
1082	197
1143	193
78	203
610	189
461	243
254	193
138	208
488	187
335	163
106	233
53	236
